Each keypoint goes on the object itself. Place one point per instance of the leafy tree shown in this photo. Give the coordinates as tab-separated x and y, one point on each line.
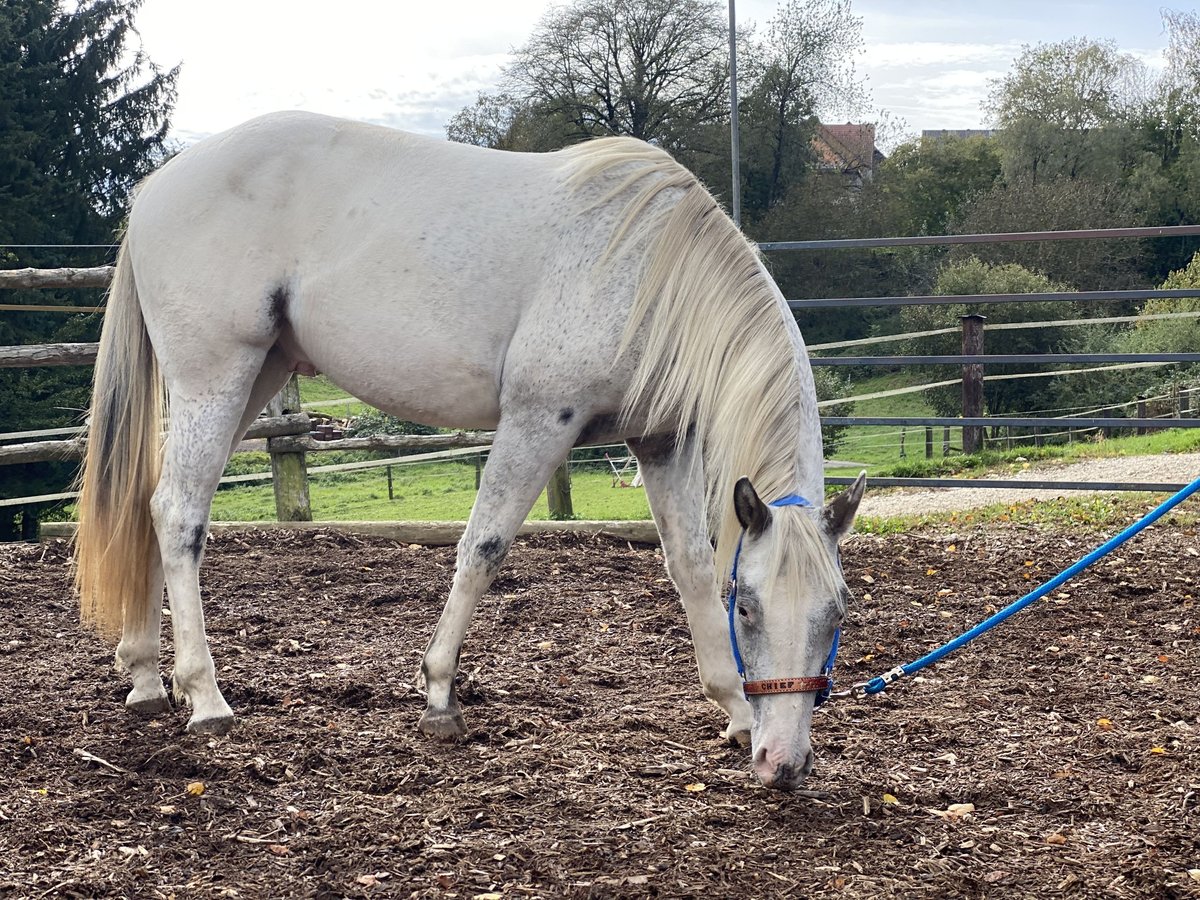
1055	205
927	182
801	68
974	276
83	116
647	68
1063	110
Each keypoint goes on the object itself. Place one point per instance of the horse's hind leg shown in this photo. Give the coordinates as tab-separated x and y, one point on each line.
675	488
138	652
210	409
526	448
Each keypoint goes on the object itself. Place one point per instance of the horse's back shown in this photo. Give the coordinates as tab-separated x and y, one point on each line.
403	264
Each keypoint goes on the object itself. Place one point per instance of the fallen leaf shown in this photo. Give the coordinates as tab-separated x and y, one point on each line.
868	579
1158	749
891	800
1164	658
931	571
1105	724
695	787
490	895
1056	838
1194	874
952	548
194	788
960	810
1150	679
279	849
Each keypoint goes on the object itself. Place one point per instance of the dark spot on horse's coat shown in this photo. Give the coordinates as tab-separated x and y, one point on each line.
565	415
280	298
491	552
196	543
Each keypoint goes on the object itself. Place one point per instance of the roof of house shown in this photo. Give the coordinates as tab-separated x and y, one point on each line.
846	146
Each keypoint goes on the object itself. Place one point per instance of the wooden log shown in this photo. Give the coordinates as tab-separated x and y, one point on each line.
276	426
41	451
46	451
451	441
289	474
47	355
95	277
433	534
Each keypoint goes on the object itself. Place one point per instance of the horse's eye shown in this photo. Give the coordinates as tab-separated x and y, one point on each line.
743	613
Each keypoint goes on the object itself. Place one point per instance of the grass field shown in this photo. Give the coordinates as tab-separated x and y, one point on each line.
426	492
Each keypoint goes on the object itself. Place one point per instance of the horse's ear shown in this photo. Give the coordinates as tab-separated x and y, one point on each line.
838	514
752	513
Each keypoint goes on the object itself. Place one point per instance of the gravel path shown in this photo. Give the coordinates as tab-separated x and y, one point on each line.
1166	468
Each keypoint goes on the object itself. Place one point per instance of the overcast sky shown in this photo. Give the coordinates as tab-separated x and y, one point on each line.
413	65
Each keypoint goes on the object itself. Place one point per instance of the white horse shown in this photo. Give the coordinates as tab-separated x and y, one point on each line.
590	295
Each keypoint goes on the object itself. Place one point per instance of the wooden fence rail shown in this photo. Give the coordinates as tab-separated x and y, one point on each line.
24	279
47	355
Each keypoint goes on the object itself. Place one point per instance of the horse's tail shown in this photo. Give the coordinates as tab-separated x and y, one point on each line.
115	543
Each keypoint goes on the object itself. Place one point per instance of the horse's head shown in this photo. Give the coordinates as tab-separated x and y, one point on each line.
789	606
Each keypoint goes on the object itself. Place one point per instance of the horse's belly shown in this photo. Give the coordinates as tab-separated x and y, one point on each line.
416	389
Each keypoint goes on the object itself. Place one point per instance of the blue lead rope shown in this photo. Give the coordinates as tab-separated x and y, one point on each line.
878	684
827	669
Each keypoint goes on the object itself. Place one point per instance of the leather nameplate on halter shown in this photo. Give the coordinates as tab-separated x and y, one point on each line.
788	685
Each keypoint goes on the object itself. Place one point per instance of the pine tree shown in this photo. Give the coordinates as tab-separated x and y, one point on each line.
82	120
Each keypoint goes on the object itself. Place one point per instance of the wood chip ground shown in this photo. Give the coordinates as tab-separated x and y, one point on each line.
1059	757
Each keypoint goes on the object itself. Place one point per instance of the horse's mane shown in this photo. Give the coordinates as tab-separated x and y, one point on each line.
716	353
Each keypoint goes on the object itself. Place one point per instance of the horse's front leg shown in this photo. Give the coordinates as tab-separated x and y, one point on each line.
675	488
527	447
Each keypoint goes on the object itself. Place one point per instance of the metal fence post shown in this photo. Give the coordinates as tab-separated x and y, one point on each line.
928	442
288	470
972	382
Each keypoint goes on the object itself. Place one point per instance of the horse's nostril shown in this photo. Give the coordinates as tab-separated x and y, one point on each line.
760	756
807	766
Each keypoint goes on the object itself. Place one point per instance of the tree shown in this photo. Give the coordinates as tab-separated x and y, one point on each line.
802	68
652	69
927	182
1064	110
83	116
1056	205
974	276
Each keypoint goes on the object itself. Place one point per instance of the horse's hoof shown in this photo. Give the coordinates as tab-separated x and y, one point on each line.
150	706
443	725
737	737
215	725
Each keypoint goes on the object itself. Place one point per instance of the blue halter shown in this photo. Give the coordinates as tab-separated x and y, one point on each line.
827	669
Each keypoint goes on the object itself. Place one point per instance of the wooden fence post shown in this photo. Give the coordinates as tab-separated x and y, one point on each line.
288	470
903	434
972	382
558	492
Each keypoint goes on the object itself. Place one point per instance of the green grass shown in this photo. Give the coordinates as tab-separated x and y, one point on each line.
428	492
1104	512
878	446
320	388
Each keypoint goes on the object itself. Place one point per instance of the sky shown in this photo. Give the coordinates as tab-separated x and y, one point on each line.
412	65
